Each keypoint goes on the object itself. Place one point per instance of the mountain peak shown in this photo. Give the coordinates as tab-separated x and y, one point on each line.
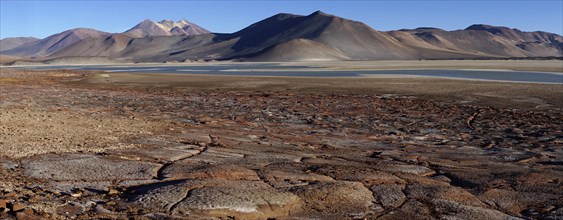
496	30
171	24
178	31
319	12
147	21
428	29
484	27
84	31
281	16
81	29
168	24
165	27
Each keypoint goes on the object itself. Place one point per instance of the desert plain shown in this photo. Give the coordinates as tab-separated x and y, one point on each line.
80	144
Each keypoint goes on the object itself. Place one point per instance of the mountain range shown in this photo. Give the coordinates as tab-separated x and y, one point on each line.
287	37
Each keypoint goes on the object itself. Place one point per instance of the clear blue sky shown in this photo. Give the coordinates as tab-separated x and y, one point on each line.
43	18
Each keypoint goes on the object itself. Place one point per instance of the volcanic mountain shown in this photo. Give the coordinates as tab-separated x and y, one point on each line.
165	28
318	36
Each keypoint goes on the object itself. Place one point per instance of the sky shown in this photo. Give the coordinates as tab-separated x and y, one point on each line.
43	18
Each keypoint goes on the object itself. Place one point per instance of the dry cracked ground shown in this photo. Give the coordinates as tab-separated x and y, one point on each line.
76	145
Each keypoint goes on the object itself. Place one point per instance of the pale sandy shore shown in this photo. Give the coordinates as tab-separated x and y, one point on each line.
524	65
495	94
521	65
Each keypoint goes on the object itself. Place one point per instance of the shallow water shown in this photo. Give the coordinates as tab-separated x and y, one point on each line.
276	70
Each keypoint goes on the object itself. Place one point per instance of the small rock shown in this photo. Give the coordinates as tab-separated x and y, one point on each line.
348	197
548	208
4	203
412	169
18	207
389	195
28	214
77	194
113	191
70	210
464	136
442	178
230	172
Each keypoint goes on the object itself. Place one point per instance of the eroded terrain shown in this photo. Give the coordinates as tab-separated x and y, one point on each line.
78	145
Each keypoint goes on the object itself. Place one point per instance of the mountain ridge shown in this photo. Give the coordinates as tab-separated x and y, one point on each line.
317	36
53	43
13	42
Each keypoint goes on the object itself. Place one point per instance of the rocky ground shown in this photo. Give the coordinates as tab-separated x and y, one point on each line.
74	147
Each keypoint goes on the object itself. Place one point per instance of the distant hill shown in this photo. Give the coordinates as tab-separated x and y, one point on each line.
318	36
107	46
481	41
6	59
54	43
13	42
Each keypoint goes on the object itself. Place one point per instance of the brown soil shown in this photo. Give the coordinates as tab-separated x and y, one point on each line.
86	145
